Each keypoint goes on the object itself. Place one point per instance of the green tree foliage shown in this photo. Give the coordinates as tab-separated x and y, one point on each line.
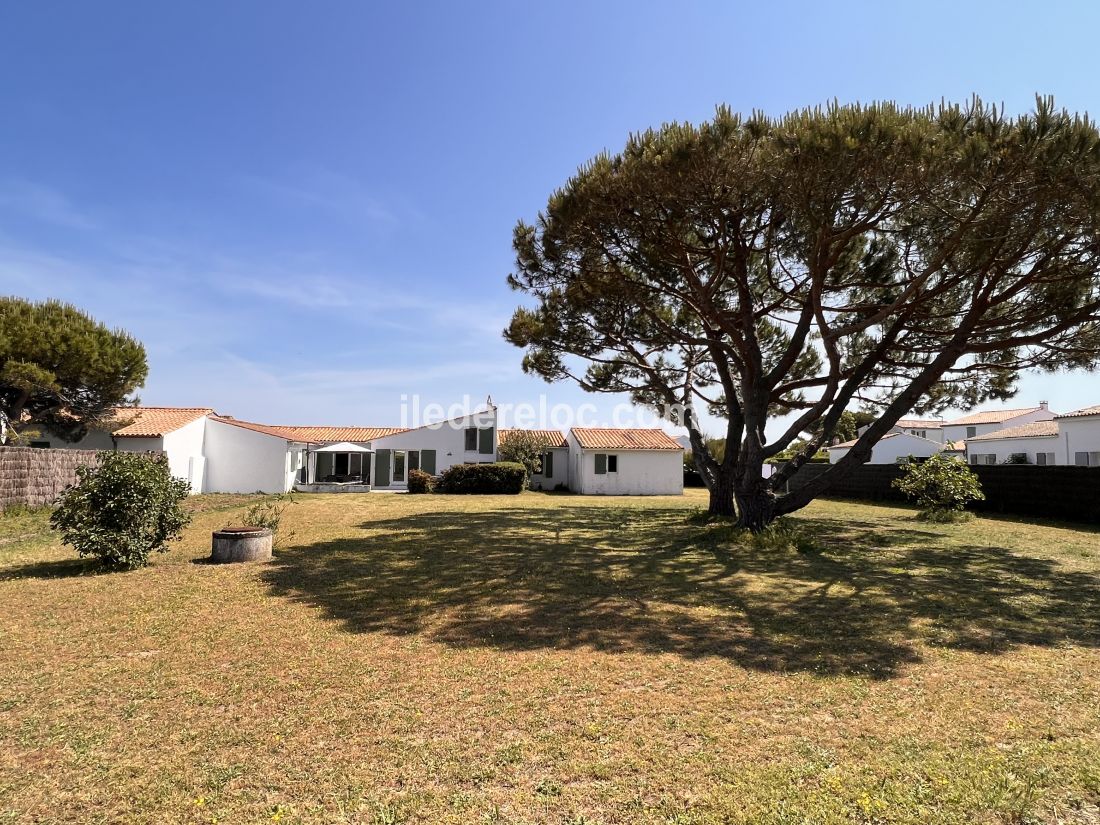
60	370
483	479
123	509
940	484
524	447
419	482
899	260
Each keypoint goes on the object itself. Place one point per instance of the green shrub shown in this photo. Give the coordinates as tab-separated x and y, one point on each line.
268	513
940	485
479	479
419	481
123	509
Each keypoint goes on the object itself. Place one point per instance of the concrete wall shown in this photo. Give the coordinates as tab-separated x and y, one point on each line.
889	450
640	472
1004	448
244	461
560	471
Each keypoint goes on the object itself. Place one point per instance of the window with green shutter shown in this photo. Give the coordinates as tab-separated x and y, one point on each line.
601	464
547	464
485	441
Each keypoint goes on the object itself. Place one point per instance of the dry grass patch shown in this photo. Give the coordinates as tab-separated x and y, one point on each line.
556	659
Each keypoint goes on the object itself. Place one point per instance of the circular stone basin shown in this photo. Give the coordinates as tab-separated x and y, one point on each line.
233	544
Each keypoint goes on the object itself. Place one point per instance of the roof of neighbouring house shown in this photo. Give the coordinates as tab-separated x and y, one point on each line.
1036	429
920	423
1095	410
991	416
150	422
333	435
608	438
549	438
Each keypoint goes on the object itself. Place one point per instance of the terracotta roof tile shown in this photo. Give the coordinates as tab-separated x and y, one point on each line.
852	443
550	438
334	435
991	416
1082	412
599	438
150	422
920	423
1036	429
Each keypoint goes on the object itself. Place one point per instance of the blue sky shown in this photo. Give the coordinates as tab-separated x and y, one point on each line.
305	210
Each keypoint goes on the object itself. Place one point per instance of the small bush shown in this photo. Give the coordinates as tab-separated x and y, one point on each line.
123	509
268	513
481	479
940	485
420	481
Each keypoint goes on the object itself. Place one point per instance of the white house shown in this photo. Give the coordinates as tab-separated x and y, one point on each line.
624	462
1080	436
988	421
1034	443
1069	438
930	428
891	448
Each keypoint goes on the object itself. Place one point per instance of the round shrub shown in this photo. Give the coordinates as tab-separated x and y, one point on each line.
419	481
123	509
941	486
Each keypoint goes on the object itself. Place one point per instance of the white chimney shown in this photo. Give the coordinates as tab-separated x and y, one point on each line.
1042	405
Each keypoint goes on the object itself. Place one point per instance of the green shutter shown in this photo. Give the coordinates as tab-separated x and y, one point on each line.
471	439
548	465
382	468
485	441
601	464
414	460
427	461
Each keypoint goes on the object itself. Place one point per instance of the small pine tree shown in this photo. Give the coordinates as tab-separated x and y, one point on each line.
941	486
123	509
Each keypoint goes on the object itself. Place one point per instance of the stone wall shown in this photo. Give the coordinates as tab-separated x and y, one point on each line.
35	477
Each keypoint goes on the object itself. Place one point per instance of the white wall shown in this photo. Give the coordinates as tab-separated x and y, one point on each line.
889	450
640	472
448	440
1079	435
1003	448
185	448
560	471
244	461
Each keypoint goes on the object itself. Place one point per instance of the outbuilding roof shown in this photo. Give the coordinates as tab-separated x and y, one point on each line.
150	422
550	438
1036	429
607	438
1095	410
991	416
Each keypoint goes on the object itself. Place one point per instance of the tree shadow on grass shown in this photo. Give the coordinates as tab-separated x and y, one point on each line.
59	569
620	580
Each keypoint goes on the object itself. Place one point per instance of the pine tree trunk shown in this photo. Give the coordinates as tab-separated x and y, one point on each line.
721	497
755	508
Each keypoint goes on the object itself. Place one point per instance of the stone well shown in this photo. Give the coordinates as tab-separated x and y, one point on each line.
233	544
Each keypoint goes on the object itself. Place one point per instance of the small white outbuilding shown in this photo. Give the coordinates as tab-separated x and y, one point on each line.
625	462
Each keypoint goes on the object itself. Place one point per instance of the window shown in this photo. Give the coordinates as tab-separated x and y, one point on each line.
547	465
398	465
971	432
612	464
1086	459
983	458
471	439
1044	459
479	440
601	464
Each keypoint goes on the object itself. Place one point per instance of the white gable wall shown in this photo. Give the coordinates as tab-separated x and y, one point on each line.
889	450
239	460
448	440
1079	435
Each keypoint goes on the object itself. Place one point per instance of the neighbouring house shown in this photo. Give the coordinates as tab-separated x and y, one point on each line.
605	461
1080	436
989	421
555	458
1068	439
891	448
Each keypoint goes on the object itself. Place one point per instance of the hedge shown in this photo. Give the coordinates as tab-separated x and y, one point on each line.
481	479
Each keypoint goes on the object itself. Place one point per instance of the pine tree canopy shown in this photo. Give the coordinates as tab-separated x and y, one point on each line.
899	259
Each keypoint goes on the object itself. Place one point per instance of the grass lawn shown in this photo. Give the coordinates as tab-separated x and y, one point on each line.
556	659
